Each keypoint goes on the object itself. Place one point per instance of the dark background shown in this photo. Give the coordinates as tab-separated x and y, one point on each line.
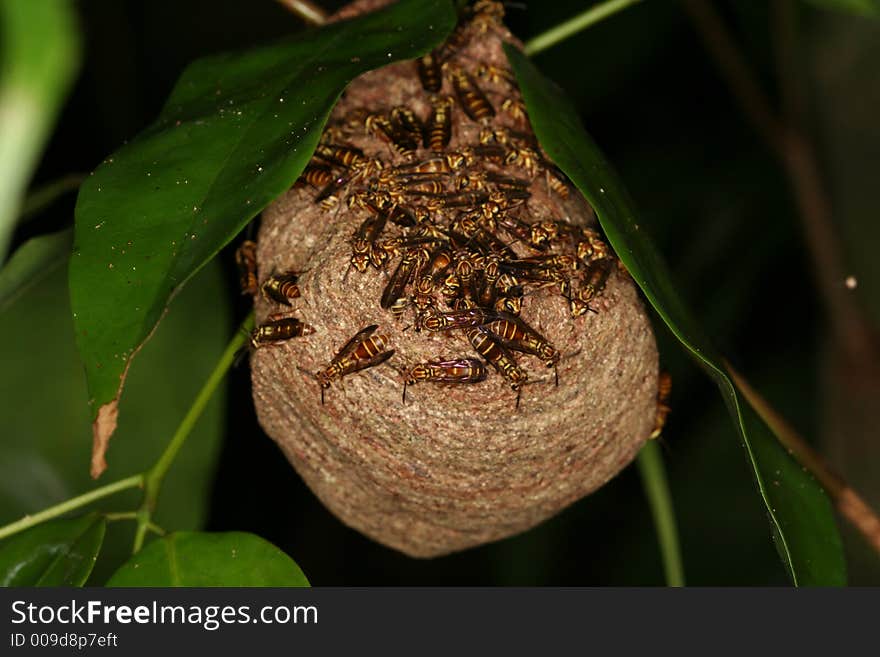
711	194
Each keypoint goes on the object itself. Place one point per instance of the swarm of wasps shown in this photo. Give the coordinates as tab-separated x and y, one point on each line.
453	226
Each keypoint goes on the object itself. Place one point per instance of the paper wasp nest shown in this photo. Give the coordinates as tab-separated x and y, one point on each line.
393	226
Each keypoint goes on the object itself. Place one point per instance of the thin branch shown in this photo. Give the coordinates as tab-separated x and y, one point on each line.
848	501
308	11
792	93
574	25
154	477
653	474
733	67
135	481
797	155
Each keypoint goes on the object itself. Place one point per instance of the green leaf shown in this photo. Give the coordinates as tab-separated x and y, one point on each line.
236	132
801	518
31	263
203	559
55	553
862	7
39	54
44	450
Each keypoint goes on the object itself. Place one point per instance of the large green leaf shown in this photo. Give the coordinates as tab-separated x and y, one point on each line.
39	53
863	7
236	132
32	262
801	518
54	553
44	446
202	559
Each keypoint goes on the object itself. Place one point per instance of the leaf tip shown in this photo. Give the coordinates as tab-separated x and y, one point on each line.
102	429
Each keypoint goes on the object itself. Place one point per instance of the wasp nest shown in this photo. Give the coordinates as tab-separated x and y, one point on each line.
447	351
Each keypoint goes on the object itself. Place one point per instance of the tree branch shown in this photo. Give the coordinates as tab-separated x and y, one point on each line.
848	501
797	155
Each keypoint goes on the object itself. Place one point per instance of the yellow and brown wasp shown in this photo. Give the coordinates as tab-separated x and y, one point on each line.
430	74
457	371
246	260
515	334
473	101
317	175
364	249
447	320
498	357
363	350
281	288
438	131
664	391
279	329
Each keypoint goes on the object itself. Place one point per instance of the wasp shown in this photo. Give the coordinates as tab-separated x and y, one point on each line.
432	165
363	246
459	370
525	158
498	357
516	109
664	390
438	132
404	142
496	75
327	197
534	235
246	260
510	303
281	288
486	14
556	261
393	291
473	100
430	75
594	279
464	199
346	156
531	271
557	181
592	247
489	243
516	228
424	184
278	330
317	175
487	292
402	216
517	335
427	279
457	319
542	233
362	351
405	119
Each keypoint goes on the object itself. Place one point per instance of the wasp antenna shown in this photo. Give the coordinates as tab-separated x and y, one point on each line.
518	395
556	374
322	395
404	391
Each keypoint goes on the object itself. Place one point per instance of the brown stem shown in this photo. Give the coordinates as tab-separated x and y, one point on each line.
309	11
797	156
849	503
792	93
